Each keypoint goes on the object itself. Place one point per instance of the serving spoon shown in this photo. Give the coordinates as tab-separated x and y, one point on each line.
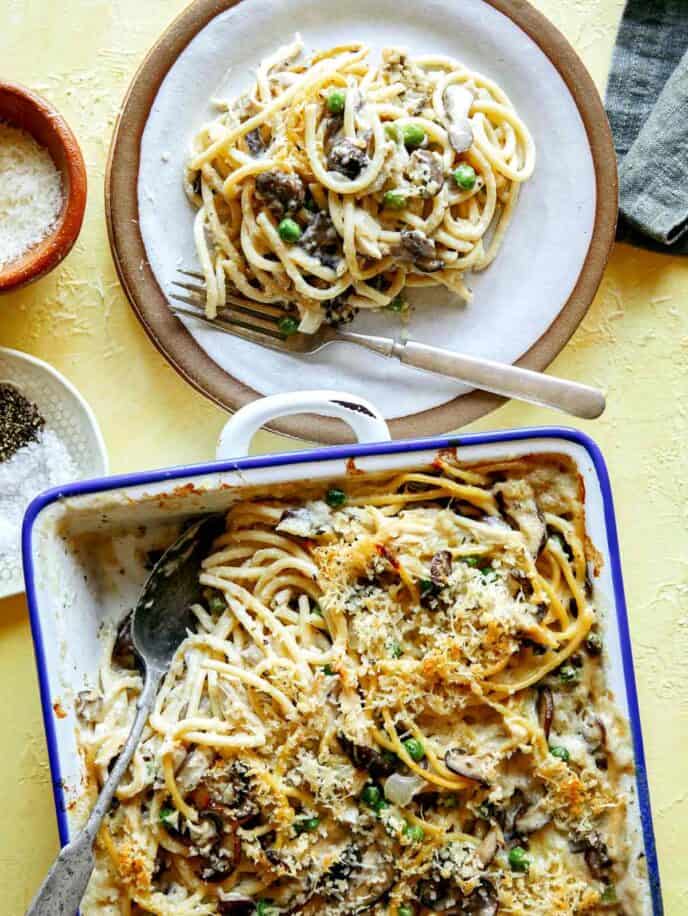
160	622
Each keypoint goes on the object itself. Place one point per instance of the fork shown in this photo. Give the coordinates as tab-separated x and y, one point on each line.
272	326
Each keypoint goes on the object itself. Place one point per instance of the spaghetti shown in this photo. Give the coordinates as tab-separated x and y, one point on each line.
333	184
394	698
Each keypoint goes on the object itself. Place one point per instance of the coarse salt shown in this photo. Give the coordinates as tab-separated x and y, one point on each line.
40	464
31	193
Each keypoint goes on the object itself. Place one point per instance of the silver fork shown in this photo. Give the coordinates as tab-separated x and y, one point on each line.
271	326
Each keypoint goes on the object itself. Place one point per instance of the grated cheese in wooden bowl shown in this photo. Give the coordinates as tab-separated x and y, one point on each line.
31	193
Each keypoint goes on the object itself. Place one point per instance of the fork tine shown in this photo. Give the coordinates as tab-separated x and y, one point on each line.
192	273
267	339
228	322
187	299
264	312
192	287
270	318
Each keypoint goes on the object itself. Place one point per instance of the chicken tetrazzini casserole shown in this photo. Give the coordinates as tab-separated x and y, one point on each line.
394	701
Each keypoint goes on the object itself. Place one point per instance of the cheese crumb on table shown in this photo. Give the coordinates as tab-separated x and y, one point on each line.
31	193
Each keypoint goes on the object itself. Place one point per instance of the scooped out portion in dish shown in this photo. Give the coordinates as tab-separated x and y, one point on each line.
394	701
336	183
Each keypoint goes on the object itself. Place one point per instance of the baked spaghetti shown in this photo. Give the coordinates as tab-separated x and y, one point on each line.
333	184
394	702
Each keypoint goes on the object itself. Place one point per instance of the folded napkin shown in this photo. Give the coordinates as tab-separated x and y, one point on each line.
647	104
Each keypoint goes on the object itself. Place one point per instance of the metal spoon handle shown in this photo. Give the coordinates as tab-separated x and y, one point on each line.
66	882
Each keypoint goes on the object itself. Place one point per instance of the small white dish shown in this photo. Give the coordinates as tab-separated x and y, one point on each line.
67	415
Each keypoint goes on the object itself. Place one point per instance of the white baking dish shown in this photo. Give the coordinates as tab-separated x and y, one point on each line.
85	546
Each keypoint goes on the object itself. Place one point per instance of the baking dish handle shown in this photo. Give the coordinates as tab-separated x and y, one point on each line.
364	419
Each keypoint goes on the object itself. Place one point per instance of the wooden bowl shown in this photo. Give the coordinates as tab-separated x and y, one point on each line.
20	107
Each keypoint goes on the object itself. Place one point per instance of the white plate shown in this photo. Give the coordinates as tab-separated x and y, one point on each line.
68	416
515	300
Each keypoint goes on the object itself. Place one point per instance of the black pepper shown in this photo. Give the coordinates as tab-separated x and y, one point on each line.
20	421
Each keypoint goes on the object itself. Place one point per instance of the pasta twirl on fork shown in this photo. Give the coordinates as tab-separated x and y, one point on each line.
393	702
333	184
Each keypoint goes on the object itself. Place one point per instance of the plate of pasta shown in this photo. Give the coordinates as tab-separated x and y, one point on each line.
445	173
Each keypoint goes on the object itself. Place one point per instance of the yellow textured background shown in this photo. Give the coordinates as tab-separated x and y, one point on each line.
81	55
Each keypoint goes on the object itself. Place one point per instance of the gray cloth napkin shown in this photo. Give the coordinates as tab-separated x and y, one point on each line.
647	104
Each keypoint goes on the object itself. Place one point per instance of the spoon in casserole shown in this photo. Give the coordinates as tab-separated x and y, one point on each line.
160	622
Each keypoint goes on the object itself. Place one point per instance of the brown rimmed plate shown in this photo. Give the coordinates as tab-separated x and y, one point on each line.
564	271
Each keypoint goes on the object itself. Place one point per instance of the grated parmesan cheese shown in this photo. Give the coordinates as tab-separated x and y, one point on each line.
31	193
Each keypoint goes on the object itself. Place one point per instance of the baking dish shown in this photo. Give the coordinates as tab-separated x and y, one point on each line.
85	547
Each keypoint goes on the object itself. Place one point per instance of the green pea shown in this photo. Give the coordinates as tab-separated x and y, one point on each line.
288	326
392	132
414	832
389	757
395	650
427	587
335	497
394	200
264	908
311	205
405	911
371	796
470	561
413	135
568	674
609	894
465	176
518	860
289	230
328	671
397	305
307	824
558	751
166	814
216	604
593	643
414	749
336	101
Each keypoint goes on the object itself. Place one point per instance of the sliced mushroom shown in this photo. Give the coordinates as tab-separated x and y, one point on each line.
236	905
595	853
417	248
309	521
441	567
254	141
457	103
482	902
222	858
320	237
124	653
594	733
466	765
367	758
282	192
88	706
436	895
516	502
532	819
442	897
425	170
347	158
488	848
545	708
